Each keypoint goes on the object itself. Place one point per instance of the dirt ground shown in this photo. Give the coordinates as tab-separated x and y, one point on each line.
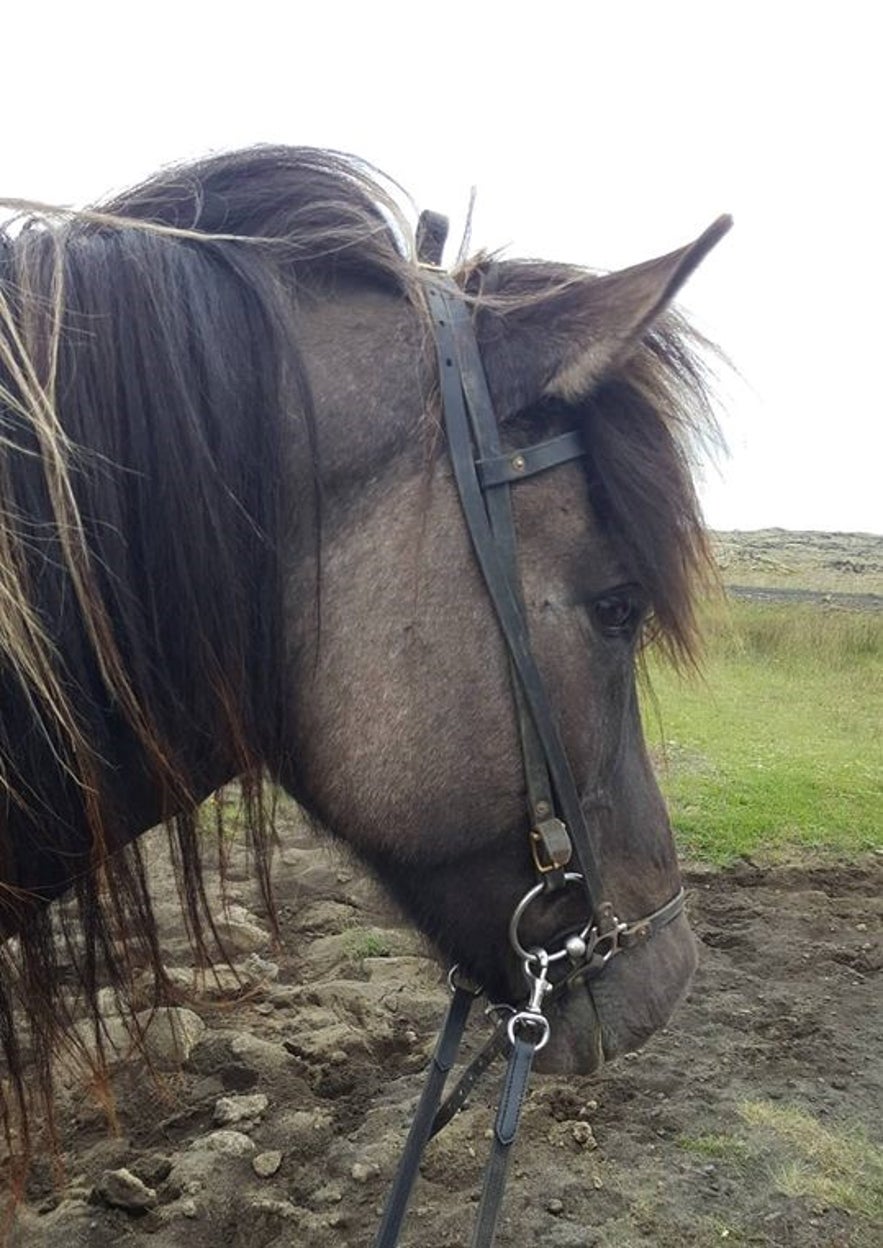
754	1118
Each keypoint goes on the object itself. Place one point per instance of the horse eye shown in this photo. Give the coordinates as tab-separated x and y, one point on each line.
617	614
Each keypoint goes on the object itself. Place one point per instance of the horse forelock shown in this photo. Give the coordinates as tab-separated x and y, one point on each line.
649	422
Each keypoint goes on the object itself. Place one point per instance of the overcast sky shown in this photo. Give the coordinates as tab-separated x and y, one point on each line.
595	132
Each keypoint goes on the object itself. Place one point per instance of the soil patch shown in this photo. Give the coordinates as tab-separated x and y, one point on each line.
754	1118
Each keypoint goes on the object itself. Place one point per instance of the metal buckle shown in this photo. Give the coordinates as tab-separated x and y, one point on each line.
457	980
550	846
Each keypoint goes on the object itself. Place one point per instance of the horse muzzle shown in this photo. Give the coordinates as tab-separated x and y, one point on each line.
597	1017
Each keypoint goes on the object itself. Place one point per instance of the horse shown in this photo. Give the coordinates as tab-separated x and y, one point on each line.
231	546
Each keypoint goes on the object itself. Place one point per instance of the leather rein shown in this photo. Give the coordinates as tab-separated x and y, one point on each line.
559	833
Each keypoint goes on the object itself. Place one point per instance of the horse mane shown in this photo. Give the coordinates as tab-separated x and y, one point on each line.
150	389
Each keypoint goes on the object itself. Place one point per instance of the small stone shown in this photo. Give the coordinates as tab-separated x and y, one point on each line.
124	1190
240	932
266	1164
555	1206
170	1034
583	1135
188	1209
229	1143
153	1169
329	1194
276	1208
108	1002
260	970
233	1109
361	1172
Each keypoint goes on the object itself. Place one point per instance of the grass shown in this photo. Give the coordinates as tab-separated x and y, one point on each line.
717	1147
368	943
832	1165
778	747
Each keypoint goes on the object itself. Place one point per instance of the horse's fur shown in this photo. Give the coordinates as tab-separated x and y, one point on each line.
172	474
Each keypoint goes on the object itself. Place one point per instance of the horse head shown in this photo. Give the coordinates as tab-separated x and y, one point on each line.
406	726
231	539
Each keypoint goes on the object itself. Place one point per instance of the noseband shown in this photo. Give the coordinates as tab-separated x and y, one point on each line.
559	833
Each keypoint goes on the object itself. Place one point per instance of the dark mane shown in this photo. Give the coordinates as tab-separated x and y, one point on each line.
321	214
150	391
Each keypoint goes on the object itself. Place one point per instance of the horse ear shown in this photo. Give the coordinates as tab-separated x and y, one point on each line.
561	345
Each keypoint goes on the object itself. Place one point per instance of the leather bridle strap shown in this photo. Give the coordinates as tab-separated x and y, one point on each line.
516	465
505	1130
494	468
443	1059
467	409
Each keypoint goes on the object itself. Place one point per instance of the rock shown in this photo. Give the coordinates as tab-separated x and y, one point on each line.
266	1164
329	1194
583	1135
171	1035
263	1056
233	1109
239	932
277	1209
153	1169
328	953
555	1206
167	1034
308	1131
124	1190
405	970
216	983
258	970
316	1044
362	1172
327	918
108	1002
227	1143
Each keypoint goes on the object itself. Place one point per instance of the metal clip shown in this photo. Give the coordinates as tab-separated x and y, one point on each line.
532	1014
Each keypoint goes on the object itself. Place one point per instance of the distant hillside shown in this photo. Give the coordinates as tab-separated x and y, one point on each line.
839	563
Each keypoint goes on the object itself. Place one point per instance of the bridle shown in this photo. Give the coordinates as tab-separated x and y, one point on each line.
559	833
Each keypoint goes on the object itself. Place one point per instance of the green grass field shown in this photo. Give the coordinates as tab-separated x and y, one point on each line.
778	748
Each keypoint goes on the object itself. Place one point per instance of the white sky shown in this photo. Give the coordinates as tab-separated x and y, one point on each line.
599	133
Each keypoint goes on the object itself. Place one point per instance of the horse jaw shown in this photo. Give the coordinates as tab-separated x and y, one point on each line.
617	1011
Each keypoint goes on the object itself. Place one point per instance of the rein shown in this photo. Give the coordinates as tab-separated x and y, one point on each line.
559	833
